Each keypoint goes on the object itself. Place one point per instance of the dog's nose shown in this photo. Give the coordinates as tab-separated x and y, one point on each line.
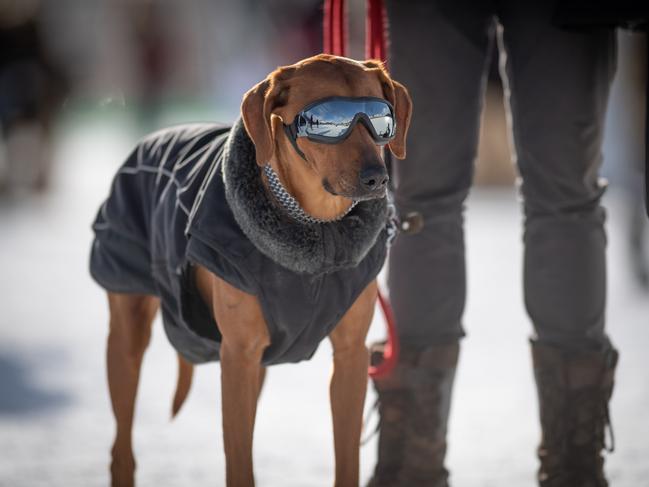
374	177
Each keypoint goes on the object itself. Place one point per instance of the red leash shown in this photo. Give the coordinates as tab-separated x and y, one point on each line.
376	31
334	28
334	42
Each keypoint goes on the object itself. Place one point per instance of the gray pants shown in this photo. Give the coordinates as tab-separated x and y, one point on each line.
557	84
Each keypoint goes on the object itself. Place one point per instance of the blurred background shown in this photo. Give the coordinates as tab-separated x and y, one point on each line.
80	82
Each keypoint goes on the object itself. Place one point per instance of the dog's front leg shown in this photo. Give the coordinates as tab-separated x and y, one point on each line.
348	385
240	376
245	337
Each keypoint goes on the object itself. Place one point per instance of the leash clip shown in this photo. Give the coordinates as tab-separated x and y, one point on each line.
412	223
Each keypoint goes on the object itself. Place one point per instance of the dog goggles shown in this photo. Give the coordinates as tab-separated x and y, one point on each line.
331	120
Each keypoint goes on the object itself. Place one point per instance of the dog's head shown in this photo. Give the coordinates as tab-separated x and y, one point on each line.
353	167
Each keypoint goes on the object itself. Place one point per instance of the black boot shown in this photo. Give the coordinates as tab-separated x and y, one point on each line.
574	389
394	404
414	403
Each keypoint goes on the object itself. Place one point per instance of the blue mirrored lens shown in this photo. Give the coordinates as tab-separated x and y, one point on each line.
333	118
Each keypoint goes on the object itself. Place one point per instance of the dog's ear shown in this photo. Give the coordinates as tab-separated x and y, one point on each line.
398	96
257	121
257	108
403	110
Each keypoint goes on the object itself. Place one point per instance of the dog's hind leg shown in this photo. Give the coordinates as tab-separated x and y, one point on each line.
131	317
349	384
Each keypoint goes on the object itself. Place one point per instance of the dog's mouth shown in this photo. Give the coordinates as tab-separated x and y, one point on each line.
353	192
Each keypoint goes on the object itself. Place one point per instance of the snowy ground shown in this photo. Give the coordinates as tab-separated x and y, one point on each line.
55	420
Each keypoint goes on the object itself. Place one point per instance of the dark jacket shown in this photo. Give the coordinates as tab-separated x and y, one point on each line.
168	209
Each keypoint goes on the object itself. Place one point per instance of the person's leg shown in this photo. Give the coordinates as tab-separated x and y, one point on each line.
558	83
439	50
440	54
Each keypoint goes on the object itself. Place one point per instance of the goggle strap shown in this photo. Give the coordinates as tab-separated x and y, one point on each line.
291	133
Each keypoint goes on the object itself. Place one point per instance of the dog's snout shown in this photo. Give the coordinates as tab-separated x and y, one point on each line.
373	178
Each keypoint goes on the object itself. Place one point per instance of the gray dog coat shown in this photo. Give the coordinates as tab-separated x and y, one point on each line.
193	194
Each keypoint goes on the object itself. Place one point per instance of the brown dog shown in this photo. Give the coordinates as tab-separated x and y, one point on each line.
325	186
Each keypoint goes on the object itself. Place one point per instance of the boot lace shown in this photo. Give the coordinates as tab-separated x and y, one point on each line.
576	435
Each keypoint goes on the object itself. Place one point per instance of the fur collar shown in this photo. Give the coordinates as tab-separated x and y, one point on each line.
305	249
